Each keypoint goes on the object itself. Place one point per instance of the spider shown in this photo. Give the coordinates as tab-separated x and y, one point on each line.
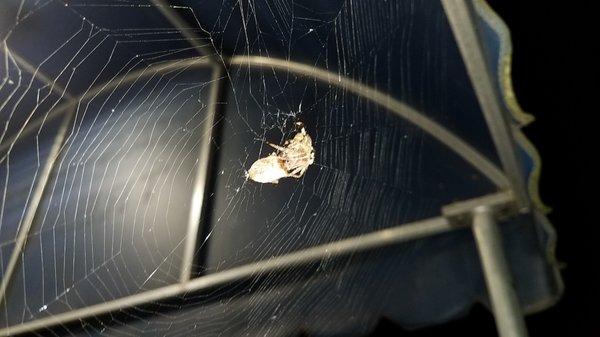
290	160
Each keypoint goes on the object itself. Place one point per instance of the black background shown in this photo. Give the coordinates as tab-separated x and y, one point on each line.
554	47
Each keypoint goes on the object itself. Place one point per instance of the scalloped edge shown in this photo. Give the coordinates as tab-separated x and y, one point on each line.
521	118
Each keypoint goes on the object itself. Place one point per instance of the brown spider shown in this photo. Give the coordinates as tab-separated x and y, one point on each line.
290	160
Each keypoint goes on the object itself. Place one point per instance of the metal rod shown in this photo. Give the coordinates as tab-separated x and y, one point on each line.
34	124
463	26
437	131
28	67
374	240
184	29
504	300
56	88
34	202
197	207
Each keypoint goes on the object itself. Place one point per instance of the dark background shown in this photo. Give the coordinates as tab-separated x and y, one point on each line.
554	79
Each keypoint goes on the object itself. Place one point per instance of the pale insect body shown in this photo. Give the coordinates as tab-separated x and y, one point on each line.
290	160
267	170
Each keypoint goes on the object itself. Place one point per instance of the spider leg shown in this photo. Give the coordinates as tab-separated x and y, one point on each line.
277	147
297	172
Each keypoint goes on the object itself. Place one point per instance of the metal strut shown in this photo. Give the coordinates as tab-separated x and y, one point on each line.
483	214
505	303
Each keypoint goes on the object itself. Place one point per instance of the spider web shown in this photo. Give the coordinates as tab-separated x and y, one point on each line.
112	222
